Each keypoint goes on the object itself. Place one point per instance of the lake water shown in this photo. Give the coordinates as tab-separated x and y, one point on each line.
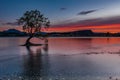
60	59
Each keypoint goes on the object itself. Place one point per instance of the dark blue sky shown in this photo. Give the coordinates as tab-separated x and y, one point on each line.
12	9
60	11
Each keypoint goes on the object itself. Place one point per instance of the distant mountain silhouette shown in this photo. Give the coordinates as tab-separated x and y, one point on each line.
83	33
74	33
12	32
80	33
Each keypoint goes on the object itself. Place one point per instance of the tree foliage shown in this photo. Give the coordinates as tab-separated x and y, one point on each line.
33	21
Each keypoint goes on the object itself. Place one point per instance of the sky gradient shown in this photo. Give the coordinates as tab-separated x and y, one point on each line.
65	15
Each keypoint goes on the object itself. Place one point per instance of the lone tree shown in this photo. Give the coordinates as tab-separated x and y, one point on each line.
33	22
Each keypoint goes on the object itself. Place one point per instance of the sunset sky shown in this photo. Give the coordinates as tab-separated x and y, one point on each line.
65	15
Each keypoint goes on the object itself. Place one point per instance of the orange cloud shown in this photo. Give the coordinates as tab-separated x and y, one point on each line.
113	28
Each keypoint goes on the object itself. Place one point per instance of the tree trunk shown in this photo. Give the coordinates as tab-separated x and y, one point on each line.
28	43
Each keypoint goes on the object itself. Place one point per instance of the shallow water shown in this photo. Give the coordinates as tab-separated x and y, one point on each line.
85	58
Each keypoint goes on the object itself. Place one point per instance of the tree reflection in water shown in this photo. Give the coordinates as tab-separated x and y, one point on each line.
36	63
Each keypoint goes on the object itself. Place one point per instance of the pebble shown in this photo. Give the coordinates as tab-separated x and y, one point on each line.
110	77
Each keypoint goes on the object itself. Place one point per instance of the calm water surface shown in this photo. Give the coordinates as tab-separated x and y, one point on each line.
61	58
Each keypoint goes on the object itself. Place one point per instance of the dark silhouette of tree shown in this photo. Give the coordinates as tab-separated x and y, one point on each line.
33	22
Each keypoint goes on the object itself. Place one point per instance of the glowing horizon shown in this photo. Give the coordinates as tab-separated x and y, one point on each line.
112	28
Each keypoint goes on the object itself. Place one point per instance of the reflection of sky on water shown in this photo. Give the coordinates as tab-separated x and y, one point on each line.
77	45
61	57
